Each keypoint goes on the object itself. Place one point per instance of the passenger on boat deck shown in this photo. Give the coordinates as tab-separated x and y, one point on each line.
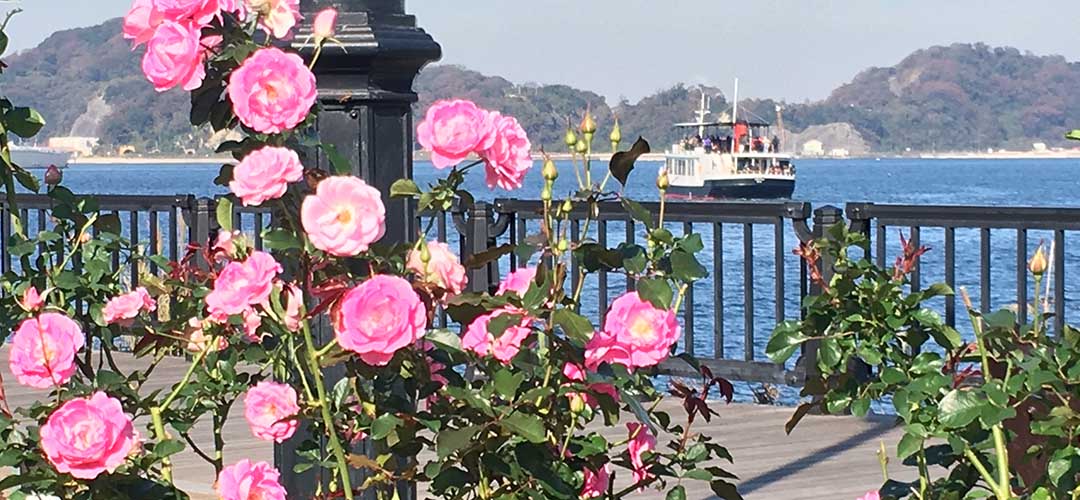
707	142
775	144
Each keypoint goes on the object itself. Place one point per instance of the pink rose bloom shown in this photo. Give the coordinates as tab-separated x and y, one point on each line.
88	436
174	57
269	408
199	11
294	301
31	300
141	22
123	309
272	91
252	322
641	441
636	334
225	244
442	270
264	174
872	495
344	216
198	341
323	27
517	281
280	17
508	158
379	317
43	350
245	480
480	340
596	483
452	130
241	285
574	373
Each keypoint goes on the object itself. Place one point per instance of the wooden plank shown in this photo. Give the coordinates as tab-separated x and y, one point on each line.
825	457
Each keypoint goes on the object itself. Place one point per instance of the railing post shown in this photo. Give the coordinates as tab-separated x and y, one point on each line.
824	218
201	223
478	238
365	91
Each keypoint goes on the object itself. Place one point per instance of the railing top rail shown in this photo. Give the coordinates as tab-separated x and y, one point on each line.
110	202
696	211
964	216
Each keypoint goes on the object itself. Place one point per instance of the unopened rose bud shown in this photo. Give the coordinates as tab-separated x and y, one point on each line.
567	206
425	254
582	147
571	138
616	134
323	27
550	172
564	245
1037	264
545	194
588	126
577	403
53	175
662	181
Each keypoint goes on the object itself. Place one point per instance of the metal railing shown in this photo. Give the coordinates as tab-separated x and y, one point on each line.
755	280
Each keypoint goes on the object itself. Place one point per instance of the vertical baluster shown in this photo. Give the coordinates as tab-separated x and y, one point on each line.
1059	281
688	301
916	270
881	239
259	230
116	253
984	269
1021	275
575	266
718	290
5	234
511	233
133	219
748	292
630	282
174	235
155	236
602	278
778	250
950	274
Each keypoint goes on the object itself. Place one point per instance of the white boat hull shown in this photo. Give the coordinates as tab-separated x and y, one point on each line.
39	158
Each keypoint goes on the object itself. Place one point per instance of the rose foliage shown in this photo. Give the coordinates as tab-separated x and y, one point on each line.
511	400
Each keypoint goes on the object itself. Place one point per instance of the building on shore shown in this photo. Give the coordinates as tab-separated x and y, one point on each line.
82	146
813	147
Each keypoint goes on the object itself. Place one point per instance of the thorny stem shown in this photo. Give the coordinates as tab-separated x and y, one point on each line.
328	420
155	412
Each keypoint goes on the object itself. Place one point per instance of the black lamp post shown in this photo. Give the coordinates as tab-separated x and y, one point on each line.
365	88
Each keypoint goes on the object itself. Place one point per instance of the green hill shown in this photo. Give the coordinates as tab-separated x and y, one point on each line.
962	97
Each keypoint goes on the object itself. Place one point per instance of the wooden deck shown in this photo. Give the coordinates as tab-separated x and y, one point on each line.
824	458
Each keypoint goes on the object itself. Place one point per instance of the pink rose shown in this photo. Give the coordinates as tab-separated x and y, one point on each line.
574	373
88	436
871	495
636	334
508	158
272	91
641	441
269	408
344	216
480	340
252	322
379	317
279	17
452	130
198	341
264	174
123	309
31	300
245	480
174	57
199	11
323	27
596	483
517	281
141	22
241	285
294	303
442	270
225	244
43	350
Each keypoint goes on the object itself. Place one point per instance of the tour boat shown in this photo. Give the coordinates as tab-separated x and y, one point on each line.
35	157
729	158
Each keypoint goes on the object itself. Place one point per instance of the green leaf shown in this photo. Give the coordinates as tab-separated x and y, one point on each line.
638	212
27	179
785	340
530	427
451	440
507	383
657	291
573	325
725	490
384	425
168	447
908	446
224	213
891	375
623	162
686	267
281	239
24	122
472	398
444	339
677	493
338	162
1073	135
959	408
829	354
404	188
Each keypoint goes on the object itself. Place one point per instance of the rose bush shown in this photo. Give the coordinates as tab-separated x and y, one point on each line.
504	402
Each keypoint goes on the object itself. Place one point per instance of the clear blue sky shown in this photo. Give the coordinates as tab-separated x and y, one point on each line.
794	49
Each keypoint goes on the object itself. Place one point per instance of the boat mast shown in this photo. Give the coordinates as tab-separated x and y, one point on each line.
702	111
735	114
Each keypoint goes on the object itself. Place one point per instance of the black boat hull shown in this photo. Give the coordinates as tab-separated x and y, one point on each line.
730	189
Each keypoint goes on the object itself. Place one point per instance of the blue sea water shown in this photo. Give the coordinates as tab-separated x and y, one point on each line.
1020	182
